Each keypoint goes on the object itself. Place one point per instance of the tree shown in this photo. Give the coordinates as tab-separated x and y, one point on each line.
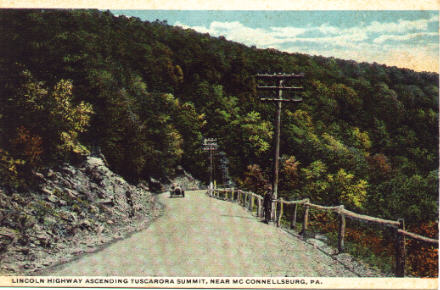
290	174
63	120
257	133
410	197
348	100
157	90
347	190
255	179
190	124
315	185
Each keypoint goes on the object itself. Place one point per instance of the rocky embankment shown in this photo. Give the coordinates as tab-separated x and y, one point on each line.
76	210
185	180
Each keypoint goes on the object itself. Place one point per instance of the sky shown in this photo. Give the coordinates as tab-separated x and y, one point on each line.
407	39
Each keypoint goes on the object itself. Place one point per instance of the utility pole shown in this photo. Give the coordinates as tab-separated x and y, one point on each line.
210	144
278	89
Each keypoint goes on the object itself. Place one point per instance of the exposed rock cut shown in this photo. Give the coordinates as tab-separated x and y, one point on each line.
75	210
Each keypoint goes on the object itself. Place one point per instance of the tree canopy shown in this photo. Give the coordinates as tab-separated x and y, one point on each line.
147	93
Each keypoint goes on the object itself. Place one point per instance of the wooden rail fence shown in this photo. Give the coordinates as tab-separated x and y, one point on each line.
249	200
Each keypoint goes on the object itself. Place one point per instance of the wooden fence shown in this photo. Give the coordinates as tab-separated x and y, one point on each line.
249	200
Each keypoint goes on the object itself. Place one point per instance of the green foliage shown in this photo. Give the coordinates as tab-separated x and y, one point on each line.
413	198
258	133
349	191
43	125
365	134
9	173
316	185
360	139
190	124
63	120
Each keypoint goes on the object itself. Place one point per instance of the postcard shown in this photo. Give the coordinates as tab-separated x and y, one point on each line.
219	144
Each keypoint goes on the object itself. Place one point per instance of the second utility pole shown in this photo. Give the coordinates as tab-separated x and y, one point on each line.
210	144
280	78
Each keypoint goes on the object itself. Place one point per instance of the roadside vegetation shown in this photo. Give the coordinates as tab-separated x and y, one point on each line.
147	93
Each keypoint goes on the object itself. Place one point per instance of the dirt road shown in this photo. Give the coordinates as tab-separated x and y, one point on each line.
202	236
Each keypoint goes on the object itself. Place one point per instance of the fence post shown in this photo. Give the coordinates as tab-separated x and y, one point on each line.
305	219
280	213
341	232
245	202
244	199
293	222
258	207
400	250
252	203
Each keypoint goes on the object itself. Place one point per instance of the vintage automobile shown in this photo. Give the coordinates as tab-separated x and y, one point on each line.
177	191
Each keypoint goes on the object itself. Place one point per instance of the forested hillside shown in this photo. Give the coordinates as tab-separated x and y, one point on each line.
147	93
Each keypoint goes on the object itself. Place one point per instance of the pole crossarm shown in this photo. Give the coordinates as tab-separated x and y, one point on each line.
280	76
210	144
268	99
280	88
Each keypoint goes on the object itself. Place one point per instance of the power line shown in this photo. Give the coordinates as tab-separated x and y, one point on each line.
210	144
278	89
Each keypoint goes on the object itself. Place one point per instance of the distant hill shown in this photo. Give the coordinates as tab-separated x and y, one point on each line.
147	93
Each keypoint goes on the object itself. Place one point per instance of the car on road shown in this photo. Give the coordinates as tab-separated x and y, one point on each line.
177	191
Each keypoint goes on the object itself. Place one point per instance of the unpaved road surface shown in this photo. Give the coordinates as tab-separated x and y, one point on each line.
203	236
